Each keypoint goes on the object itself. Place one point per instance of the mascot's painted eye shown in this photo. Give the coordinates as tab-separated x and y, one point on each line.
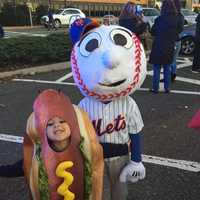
89	43
122	38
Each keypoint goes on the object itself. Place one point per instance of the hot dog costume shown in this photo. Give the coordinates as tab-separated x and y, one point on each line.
74	173
108	64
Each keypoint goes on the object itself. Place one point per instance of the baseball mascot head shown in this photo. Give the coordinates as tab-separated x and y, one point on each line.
108	62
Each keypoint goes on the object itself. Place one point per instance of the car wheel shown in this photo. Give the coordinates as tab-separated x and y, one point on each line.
57	23
187	46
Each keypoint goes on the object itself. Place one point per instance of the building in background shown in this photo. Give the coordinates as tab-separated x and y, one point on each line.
96	7
89	7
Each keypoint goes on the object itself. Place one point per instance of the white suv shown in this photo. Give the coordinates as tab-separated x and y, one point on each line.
63	16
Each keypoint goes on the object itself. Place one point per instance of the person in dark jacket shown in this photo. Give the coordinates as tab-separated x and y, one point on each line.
2	34
178	40
51	22
196	60
131	18
165	34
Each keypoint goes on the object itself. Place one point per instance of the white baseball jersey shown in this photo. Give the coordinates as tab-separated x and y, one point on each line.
115	120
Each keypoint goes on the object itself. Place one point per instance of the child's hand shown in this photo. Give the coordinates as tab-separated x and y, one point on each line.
133	172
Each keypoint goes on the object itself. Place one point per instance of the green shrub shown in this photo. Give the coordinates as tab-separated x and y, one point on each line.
31	51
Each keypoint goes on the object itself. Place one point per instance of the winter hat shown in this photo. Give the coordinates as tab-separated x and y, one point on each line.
78	28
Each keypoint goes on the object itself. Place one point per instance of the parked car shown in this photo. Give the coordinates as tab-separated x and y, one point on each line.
187	39
110	19
189	16
63	16
150	14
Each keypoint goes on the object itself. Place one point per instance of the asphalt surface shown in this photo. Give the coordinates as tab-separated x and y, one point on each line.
165	133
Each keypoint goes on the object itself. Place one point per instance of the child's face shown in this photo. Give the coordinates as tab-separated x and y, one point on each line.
58	129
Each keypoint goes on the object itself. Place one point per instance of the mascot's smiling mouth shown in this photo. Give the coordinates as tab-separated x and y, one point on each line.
113	84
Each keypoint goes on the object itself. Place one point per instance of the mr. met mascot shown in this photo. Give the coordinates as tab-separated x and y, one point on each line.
108	64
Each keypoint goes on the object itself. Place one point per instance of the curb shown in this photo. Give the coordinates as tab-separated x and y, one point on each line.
8	28
34	70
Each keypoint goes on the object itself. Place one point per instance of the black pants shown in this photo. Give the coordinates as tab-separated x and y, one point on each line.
196	60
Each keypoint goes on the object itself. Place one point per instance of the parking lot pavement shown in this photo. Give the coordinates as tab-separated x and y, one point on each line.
171	150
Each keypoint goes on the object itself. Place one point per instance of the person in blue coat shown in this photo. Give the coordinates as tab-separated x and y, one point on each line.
165	34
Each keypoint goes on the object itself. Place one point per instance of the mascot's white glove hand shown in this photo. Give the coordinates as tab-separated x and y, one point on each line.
132	172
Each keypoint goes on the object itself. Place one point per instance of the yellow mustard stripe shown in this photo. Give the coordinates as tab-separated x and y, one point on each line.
68	179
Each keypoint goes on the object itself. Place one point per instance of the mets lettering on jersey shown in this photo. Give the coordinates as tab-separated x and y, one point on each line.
118	124
113	121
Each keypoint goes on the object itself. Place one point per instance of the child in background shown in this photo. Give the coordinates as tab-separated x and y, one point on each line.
131	17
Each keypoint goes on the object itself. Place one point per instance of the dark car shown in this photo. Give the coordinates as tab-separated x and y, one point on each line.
187	39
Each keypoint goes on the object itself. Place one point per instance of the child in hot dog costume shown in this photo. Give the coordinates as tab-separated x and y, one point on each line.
62	158
108	64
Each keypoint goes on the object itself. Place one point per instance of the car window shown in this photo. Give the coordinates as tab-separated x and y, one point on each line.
69	12
187	12
150	12
59	11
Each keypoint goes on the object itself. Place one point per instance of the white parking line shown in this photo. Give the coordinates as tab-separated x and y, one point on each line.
42	81
180	164
67	83
174	91
65	77
185	64
24	33
188	80
183	59
11	138
178	78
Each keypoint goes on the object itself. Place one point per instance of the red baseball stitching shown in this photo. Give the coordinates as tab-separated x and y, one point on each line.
103	97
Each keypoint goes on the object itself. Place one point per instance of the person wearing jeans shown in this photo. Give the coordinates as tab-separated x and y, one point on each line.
174	65
156	77
165	32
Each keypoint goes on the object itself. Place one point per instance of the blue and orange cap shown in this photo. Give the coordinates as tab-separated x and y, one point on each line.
80	26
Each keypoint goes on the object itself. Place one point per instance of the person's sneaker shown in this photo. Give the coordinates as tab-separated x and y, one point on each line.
167	91
153	91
